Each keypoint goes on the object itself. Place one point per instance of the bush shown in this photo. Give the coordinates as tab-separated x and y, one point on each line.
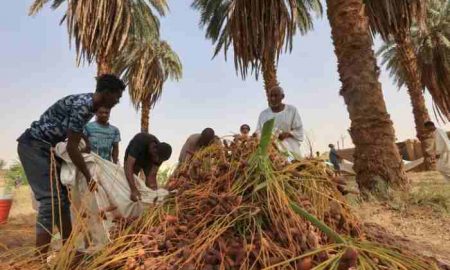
2	164
16	174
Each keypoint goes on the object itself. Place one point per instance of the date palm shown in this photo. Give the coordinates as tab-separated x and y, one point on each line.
257	30
377	160
393	19
145	65
432	47
100	29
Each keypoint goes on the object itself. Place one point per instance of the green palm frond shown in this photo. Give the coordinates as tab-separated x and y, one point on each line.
391	60
256	29
145	65
432	47
100	29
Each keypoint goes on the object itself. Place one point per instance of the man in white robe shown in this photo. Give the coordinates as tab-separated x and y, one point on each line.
441	147
288	124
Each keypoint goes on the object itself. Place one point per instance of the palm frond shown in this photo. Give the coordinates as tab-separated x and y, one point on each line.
100	29
256	29
391	17
145	65
432	48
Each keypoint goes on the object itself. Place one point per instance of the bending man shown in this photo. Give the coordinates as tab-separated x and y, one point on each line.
144	152
63	120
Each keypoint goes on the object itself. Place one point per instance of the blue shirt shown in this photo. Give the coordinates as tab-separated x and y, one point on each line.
334	156
102	138
72	112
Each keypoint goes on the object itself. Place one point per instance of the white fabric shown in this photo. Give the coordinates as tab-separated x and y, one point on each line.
442	144
287	120
347	166
409	165
112	198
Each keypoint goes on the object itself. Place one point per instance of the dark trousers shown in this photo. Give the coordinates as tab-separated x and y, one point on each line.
35	158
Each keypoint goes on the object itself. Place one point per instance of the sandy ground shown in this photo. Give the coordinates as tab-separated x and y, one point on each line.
420	218
19	231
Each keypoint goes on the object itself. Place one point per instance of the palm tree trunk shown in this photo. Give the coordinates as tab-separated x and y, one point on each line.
145	115
413	82
269	70
377	159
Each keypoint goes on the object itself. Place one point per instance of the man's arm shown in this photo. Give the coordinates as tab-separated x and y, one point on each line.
115	150
75	154
130	162
297	127
115	153
151	178
184	153
259	125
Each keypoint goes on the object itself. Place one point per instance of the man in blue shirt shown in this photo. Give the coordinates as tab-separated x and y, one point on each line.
335	159
63	120
103	137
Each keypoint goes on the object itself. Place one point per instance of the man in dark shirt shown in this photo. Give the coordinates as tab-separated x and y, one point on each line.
144	152
63	120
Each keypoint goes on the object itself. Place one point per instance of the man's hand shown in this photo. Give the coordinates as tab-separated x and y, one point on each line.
438	156
284	135
135	195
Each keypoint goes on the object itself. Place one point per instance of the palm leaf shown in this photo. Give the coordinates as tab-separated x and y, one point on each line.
145	65
100	29
390	17
257	30
432	48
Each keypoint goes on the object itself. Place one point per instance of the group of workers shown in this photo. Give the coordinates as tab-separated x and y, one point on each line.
69	120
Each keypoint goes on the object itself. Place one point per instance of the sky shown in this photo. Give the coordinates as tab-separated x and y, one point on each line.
38	67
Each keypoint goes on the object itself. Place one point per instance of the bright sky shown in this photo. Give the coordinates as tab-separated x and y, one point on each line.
37	68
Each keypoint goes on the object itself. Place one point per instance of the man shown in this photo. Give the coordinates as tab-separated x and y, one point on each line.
335	159
63	120
245	131
103	137
288	124
441	146
144	152
196	142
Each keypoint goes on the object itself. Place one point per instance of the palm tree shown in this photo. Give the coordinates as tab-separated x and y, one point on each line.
377	159
145	65
101	29
432	47
257	30
392	20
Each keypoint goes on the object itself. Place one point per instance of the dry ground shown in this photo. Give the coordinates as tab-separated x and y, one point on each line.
420	219
19	230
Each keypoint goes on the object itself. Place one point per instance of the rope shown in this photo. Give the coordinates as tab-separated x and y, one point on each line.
54	173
